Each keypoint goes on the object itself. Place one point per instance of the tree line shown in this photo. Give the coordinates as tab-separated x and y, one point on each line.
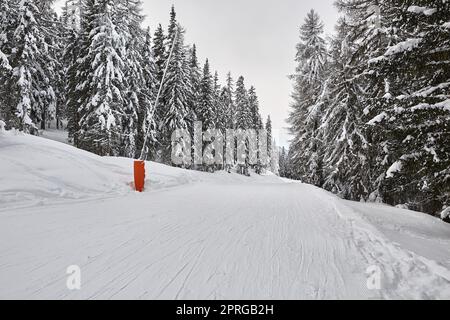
370	116
96	70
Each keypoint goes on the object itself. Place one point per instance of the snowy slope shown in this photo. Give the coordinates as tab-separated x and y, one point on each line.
36	171
197	235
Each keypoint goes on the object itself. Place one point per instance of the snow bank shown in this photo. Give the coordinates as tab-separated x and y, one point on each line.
38	171
411	248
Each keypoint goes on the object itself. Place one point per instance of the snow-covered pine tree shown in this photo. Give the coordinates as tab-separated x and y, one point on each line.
274	155
282	162
146	113
229	105
6	35
256	123
254	109
101	108
57	37
342	124
244	118
31	98
176	92
6	12
219	114
309	88
162	47
289	167
222	105
355	86
221	109
195	78
78	20
218	107
268	128
159	52
243	121
414	112
51	85
172	28
129	19
205	110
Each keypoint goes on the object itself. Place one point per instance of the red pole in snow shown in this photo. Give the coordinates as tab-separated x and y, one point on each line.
139	175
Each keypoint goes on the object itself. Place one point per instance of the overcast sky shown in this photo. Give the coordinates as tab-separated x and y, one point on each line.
253	38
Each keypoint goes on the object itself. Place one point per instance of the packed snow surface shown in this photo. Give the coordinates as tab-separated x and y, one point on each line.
195	235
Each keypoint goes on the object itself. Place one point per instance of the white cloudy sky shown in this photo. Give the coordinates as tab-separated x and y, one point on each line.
253	38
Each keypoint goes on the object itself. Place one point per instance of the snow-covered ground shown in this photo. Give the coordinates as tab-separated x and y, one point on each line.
196	235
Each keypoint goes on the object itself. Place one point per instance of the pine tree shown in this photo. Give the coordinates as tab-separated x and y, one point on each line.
282	162
220	105
195	78
243	113
6	35
285	170
414	113
256	123
243	122
376	120
274	156
159	51
254	109
147	125
172	29
101	109
136	96
268	128
218	109
71	43
205	111
341	127
51	85
310	86
229	105
176	93
6	12
354	86
30	97
79	22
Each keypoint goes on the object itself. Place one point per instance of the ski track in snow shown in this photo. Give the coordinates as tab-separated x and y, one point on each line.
194	235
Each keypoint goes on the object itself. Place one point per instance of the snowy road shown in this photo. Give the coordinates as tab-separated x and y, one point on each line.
259	241
221	236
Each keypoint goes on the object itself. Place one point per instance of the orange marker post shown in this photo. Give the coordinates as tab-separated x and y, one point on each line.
139	175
